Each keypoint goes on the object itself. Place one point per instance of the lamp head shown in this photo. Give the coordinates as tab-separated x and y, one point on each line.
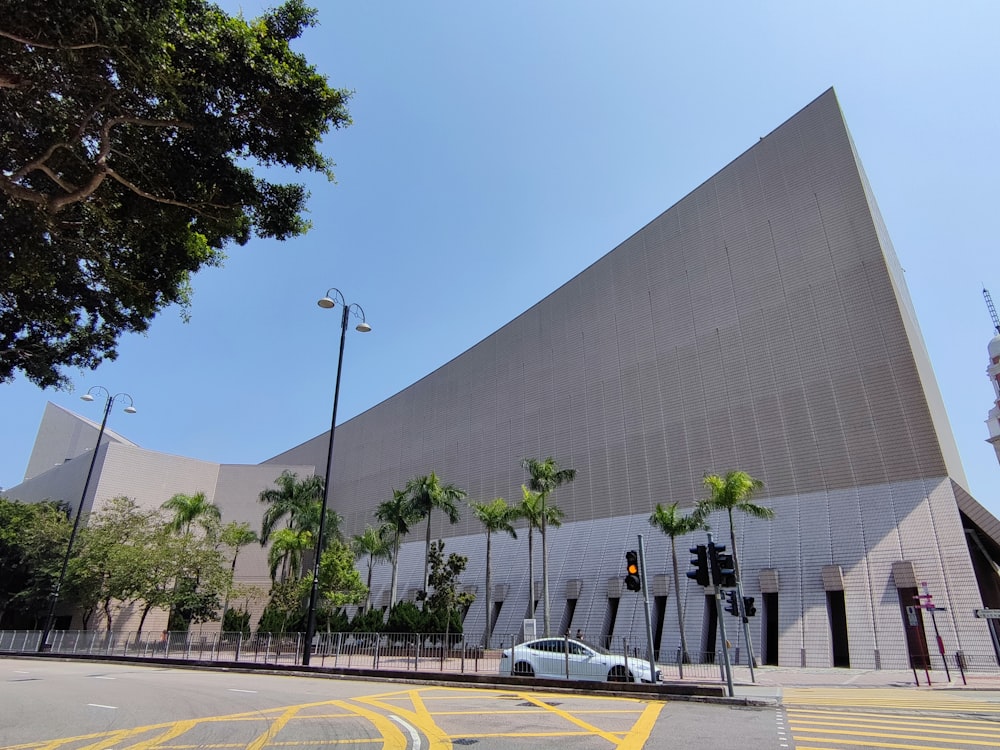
86	397
129	409
363	327
326	303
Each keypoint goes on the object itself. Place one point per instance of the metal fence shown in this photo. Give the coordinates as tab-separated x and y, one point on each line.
402	652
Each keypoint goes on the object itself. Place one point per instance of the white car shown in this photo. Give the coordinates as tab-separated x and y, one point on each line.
566	658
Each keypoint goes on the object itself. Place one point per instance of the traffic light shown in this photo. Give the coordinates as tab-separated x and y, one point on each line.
723	570
733	607
632	580
748	606
700	561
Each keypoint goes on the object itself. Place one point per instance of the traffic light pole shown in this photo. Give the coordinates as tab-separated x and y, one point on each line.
717	594
645	606
751	658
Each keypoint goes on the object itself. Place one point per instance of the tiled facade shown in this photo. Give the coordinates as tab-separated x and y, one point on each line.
763	324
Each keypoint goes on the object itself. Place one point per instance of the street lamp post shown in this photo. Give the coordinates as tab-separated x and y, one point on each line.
328	303
43	643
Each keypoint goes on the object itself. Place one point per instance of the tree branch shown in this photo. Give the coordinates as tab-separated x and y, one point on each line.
42	45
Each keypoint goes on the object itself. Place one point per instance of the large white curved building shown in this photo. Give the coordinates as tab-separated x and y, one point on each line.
763	324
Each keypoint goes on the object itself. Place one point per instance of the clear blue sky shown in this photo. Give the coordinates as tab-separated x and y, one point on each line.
499	148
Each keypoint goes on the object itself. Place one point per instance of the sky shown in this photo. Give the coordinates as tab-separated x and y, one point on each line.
499	148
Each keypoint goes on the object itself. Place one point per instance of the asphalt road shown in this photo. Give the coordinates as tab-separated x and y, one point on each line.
65	705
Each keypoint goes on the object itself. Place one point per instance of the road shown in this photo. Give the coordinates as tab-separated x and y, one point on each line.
59	705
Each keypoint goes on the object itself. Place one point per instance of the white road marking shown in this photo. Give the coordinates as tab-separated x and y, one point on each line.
414	734
237	690
102	677
101	705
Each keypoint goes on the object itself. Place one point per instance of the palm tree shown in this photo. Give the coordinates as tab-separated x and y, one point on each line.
671	523
426	494
735	492
729	493
294	501
495	516
545	476
532	510
234	535
398	516
288	547
377	544
190	508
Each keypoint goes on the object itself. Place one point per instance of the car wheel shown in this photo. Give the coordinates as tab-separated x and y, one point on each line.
619	674
523	669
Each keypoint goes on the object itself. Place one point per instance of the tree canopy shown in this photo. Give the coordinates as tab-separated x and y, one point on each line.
129	134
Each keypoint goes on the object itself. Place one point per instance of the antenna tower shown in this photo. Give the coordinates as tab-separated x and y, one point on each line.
993	310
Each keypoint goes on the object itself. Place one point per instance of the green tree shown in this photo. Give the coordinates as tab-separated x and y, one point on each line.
190	509
674	524
376	544
129	135
234	535
284	611
287	552
445	603
545	477
115	551
733	492
427	494
339	581
33	538
297	502
398	516
496	517
531	510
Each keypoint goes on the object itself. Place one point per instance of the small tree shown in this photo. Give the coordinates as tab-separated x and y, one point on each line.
445	604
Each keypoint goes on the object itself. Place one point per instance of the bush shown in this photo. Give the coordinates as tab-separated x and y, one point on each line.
405	617
367	622
236	621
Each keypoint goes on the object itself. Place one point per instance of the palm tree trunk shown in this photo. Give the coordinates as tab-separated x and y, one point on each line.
395	571
427	561
489	595
368	598
531	575
545	577
680	610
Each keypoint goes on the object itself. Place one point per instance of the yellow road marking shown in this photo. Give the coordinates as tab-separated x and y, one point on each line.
273	728
573	720
892	735
888	718
158	736
394	739
175	731
864	743
936	727
637	736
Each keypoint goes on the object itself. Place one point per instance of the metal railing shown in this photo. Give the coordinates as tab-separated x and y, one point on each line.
412	653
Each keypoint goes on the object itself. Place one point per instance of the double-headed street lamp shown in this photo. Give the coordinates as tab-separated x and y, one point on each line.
109	403
328	303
